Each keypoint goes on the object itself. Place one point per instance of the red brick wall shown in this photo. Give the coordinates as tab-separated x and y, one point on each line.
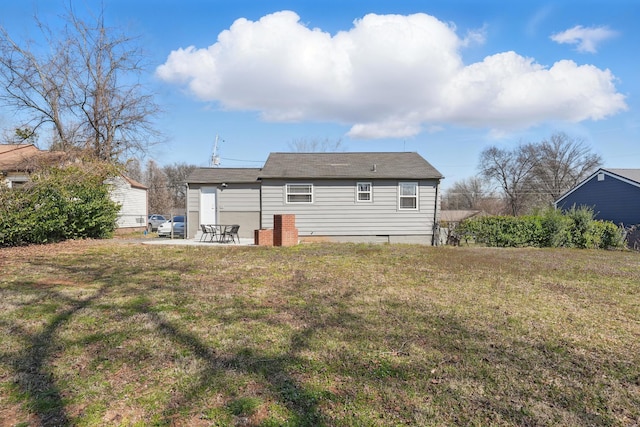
264	237
285	232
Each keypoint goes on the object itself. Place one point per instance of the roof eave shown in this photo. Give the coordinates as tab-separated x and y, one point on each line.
396	177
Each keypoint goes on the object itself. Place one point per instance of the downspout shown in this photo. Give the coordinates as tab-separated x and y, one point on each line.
187	232
260	205
435	236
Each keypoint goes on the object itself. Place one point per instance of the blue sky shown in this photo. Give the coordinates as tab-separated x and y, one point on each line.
443	78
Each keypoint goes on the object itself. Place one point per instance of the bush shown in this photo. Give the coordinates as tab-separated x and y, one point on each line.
504	231
58	204
556	228
580	232
551	228
607	235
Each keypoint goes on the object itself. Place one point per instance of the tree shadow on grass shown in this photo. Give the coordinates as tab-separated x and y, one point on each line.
468	353
31	367
274	370
39	389
32	373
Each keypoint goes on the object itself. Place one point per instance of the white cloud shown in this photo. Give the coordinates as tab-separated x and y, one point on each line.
586	38
474	37
388	76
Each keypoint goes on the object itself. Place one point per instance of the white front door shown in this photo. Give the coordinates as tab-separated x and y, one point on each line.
208	205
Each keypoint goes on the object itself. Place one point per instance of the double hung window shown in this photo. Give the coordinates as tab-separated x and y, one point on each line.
408	195
299	193
363	192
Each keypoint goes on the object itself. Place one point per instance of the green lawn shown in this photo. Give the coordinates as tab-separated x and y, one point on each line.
110	333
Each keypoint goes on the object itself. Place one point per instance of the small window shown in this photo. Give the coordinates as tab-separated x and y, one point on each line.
600	176
299	193
363	191
17	184
408	194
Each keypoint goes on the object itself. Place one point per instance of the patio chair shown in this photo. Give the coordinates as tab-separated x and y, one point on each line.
230	234
207	230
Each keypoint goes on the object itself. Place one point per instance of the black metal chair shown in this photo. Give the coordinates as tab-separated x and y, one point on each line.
207	230
230	234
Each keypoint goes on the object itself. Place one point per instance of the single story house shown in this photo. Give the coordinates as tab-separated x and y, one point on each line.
614	195
132	197
18	161
224	196
360	197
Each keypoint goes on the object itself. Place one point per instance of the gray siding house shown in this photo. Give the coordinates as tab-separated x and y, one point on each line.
223	196
359	197
614	195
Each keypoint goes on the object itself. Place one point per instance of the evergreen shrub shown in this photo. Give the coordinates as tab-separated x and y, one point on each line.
575	228
58	204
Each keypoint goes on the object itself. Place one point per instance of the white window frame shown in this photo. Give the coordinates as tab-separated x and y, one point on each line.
360	192
401	186
17	182
298	184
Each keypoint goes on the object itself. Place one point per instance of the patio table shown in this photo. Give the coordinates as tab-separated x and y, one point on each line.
219	231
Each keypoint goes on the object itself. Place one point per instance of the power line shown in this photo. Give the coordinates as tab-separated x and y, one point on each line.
241	160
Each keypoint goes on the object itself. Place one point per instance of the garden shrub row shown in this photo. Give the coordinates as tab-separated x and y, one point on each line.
58	204
575	228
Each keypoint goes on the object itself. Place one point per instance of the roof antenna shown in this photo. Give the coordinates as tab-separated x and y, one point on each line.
215	159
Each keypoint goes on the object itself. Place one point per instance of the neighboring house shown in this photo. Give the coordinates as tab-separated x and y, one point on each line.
614	195
17	161
451	219
132	197
360	197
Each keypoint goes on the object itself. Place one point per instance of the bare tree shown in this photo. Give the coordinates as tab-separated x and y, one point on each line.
492	204
466	194
561	163
534	175
159	196
511	170
315	145
176	180
133	170
84	87
21	135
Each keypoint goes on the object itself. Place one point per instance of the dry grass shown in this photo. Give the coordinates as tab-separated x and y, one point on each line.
108	333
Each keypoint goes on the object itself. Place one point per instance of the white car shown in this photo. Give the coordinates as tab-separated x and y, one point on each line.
154	221
177	224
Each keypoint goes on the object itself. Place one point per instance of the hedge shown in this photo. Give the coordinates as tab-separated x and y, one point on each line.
576	228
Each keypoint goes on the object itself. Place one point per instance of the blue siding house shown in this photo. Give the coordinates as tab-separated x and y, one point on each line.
614	195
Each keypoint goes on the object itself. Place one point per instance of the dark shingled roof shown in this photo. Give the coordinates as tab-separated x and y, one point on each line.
220	175
349	165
